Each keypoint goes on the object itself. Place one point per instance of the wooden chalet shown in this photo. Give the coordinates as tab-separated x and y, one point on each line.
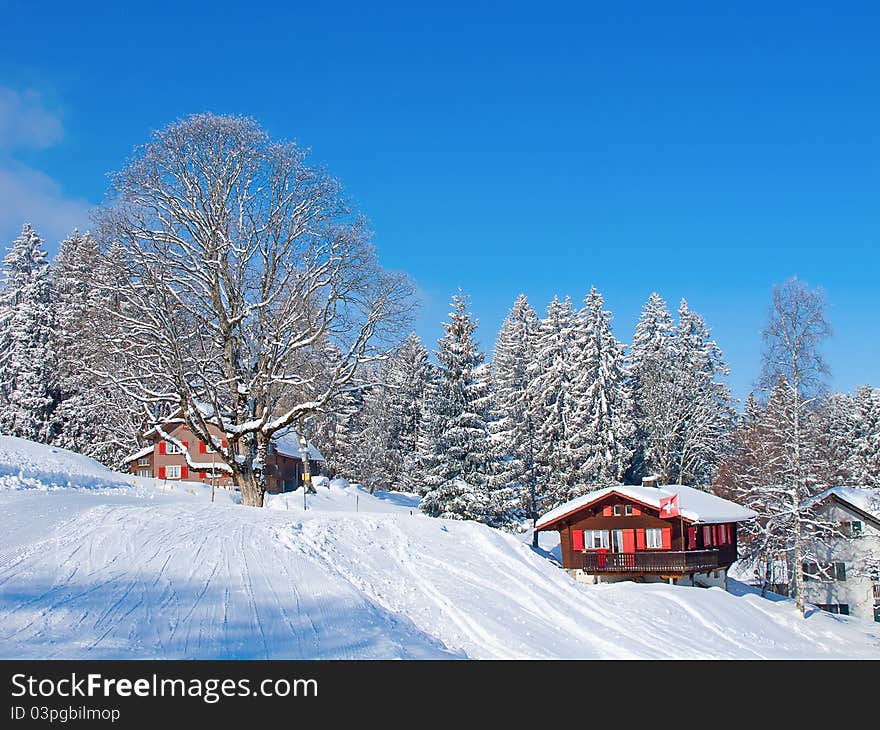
180	455
647	533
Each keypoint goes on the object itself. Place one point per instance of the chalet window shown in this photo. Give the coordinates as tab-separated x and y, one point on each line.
172	472
628	510
707	536
617	510
839	571
596	539
145	472
172	448
144	461
841	608
653	538
851	529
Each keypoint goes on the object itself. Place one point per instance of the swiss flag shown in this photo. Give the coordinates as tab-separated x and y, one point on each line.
669	506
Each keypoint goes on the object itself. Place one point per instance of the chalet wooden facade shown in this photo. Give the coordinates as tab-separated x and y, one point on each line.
177	454
672	533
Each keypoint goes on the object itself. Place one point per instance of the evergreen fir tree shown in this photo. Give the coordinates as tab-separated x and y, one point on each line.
28	362
462	466
603	419
512	429
552	374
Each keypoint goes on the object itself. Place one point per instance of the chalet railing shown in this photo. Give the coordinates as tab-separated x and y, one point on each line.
666	561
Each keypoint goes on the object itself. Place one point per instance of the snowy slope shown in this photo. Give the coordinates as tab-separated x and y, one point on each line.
130	571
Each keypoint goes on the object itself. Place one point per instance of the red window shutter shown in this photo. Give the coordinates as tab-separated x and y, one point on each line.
577	539
717	537
203	474
607	511
161	472
224	443
666	535
637	510
640	539
162	447
629	540
184	471
729	534
692	538
203	449
185	445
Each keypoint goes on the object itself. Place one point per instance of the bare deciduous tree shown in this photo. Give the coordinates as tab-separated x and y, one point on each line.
796	329
236	264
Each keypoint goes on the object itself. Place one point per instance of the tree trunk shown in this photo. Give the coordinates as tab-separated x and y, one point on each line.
798	537
252	492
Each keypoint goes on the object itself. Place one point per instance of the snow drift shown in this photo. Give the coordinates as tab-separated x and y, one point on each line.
132	571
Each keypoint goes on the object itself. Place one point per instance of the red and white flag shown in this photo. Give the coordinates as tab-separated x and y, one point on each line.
669	506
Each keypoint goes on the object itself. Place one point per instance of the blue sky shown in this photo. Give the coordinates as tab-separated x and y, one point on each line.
697	149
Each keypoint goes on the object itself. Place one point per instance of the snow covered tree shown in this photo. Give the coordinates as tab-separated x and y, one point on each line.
92	417
238	262
462	466
864	463
705	404
552	374
512	429
602	423
28	361
651	358
683	407
796	329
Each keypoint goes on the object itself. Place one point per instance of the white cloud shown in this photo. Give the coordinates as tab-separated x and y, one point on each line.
26	122
28	195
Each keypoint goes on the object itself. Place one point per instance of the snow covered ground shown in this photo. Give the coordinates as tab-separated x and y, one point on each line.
101	565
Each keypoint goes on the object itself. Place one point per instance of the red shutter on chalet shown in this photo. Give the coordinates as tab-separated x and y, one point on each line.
185	445
202	474
629	540
203	449
640	539
184	471
161	472
162	447
692	538
666	535
577	539
717	537
224	443
637	510
729	534
606	511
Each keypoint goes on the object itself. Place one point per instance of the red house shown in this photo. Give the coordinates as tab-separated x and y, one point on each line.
180	455
646	533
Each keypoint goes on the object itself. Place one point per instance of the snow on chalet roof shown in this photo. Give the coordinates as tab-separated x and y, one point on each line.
138	454
286	443
694	505
866	499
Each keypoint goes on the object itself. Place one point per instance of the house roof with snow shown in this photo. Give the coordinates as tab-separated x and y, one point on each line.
146	451
286	443
865	500
694	505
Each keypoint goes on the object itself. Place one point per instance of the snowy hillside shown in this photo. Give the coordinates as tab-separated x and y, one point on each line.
124	570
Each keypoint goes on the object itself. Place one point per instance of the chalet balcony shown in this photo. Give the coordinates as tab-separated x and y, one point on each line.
660	562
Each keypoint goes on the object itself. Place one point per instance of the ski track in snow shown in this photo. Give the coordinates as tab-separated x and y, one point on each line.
130	572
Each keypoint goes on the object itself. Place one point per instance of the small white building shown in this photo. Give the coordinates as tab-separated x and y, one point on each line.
852	561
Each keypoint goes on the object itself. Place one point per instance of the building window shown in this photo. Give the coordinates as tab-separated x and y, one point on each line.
596	539
840	571
707	536
617	510
628	510
653	538
144	461
841	608
145	472
851	529
172	472
172	448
